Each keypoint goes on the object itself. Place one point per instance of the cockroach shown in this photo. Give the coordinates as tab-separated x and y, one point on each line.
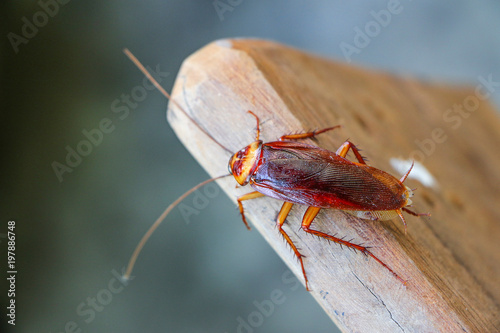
299	173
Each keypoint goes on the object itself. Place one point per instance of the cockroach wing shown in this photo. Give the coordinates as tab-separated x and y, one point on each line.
313	176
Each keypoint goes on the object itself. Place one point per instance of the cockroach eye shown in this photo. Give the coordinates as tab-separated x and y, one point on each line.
230	165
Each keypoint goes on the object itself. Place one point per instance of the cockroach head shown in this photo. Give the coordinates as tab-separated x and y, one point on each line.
243	164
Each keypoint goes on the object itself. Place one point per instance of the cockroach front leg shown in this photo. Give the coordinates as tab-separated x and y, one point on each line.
309	216
344	149
248	196
285	209
307	134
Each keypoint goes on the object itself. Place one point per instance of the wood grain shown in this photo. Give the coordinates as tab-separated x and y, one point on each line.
451	260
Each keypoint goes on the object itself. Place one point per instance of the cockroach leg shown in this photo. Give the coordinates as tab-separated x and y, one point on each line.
285	209
344	149
248	196
309	216
402	217
415	214
257	135
307	134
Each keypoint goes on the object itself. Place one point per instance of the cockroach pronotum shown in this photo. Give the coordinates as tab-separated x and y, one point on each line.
298	173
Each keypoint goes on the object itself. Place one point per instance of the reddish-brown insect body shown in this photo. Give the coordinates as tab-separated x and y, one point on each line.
298	173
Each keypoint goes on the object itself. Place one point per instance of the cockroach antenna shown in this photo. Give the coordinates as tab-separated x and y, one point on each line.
167	95
155	225
162	217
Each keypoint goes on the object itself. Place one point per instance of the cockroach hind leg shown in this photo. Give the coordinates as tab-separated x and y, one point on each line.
311	212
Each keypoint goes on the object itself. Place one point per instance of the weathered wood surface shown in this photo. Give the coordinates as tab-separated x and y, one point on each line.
451	260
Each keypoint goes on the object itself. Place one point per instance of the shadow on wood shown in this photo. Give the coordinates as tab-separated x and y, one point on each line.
451	261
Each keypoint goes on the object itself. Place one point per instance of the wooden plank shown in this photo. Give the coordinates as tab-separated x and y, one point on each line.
451	260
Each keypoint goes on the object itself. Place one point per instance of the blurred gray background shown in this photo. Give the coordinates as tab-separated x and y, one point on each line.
205	273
